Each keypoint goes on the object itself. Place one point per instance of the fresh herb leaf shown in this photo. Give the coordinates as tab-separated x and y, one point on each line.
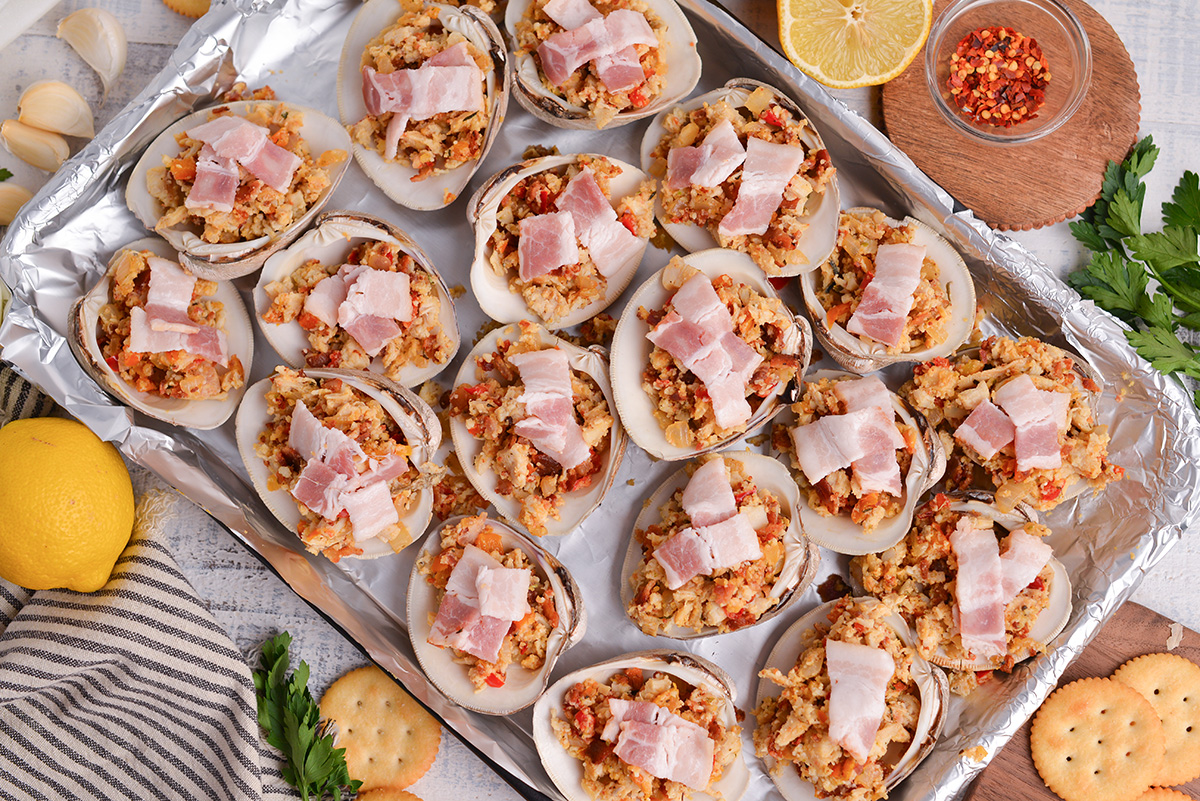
1158	311
1086	233
1172	247
1184	206
1165	351
1125	213
1115	284
5	174
1141	158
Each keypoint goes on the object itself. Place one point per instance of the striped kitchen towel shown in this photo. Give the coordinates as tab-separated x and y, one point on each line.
19	398
130	692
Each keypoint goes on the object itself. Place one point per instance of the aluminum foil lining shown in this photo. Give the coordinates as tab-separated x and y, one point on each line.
60	243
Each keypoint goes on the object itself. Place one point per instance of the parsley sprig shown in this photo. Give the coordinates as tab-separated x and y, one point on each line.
291	719
1125	260
5	174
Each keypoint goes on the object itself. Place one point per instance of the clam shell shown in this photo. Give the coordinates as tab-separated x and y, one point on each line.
631	353
222	261
932	686
492	291
822	218
566	771
842	535
862	355
418	422
523	686
335	235
679	53
579	504
395	178
801	557
199	414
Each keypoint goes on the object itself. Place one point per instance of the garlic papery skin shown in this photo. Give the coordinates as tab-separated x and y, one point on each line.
43	149
99	39
12	198
55	106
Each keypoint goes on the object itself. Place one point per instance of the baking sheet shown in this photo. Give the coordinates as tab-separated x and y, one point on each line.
59	245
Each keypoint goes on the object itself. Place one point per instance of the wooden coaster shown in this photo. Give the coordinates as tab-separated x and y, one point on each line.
1037	183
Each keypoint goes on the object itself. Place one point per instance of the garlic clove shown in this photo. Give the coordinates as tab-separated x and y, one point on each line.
99	39
12	198
54	106
43	149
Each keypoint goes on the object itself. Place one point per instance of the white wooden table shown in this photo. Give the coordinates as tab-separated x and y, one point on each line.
1163	37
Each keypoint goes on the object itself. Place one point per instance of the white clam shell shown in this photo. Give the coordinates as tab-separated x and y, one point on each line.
231	260
631	353
679	54
577	505
522	687
395	177
801	557
418	422
495	297
862	355
199	414
335	235
567	772
819	238
839	533
932	687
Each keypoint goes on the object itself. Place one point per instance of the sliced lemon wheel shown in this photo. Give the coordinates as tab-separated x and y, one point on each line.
848	43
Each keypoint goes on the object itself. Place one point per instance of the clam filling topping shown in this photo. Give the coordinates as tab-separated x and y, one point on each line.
423	86
343	458
379	302
848	451
881	287
970	592
603	56
715	555
849	697
644	735
746	174
494	608
718	354
558	239
162	335
545	427
240	178
1020	411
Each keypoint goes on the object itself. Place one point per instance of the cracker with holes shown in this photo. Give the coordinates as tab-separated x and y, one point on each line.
390	740
392	794
1163	794
1172	686
1097	740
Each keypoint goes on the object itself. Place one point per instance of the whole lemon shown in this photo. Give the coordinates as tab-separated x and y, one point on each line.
66	505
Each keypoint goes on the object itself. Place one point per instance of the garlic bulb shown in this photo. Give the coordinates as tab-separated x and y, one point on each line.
54	106
12	198
97	36
43	149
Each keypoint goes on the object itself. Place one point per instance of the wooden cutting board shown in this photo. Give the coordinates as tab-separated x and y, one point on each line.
1133	631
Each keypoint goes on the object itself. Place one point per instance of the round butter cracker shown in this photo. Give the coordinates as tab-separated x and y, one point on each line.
389	794
1171	684
1097	740
188	8
1163	794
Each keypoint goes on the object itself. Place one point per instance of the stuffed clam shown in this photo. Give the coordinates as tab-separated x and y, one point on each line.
743	168
862	459
423	91
891	291
559	238
489	613
643	726
163	341
886	719
358	293
600	63
341	458
229	185
535	427
924	579
744	341
717	548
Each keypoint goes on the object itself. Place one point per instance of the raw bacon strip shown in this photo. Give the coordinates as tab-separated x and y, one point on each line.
566	51
1060	407
683	557
447	82
828	443
979	594
621	710
306	434
675	749
383	470
216	183
325	298
550	423
453	615
463	581
609	243
730	407
1038	446
987	429
620	71
697	301
454	56
503	592
887	300
878	469
482	637
231	138
547	242
708	496
863	393
709	164
169	297
857	700
378	293
372	332
274	166
1022	562
1022	401
1037	420
371	510
206	342
321	488
767	171
571	14
209	343
731	542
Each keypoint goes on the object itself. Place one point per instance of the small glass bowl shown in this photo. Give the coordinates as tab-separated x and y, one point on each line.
1057	31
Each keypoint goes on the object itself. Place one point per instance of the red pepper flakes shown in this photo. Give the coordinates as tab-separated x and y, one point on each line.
998	77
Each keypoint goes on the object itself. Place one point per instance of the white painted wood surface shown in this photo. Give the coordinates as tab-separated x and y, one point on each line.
1163	36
